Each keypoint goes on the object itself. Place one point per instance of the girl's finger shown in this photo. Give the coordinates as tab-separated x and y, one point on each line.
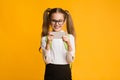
51	34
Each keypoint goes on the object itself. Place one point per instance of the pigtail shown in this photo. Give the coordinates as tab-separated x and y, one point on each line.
45	25
69	23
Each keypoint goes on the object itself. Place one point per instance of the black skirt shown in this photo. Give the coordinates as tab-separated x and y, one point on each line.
57	72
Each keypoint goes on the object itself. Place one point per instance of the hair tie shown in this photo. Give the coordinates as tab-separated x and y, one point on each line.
66	11
48	10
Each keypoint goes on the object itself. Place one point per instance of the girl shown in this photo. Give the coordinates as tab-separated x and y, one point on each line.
57	53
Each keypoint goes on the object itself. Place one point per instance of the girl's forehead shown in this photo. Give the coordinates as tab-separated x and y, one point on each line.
57	15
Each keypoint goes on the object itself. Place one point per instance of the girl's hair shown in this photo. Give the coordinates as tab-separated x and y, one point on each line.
47	17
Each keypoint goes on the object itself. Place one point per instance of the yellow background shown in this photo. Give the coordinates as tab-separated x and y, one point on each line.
97	24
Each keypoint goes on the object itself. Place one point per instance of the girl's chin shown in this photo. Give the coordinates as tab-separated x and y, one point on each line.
57	30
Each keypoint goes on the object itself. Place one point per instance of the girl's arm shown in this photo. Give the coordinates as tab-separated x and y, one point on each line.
45	45
71	48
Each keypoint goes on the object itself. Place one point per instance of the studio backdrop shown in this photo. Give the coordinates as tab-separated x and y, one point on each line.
97	26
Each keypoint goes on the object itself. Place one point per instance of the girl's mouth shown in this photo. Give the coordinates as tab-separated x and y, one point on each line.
56	27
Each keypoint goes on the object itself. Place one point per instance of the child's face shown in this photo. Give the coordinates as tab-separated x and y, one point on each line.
57	21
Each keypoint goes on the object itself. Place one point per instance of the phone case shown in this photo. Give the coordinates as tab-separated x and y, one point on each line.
58	35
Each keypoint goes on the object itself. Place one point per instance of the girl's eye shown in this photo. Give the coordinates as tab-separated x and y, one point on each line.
60	22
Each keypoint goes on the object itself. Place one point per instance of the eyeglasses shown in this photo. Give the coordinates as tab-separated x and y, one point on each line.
60	22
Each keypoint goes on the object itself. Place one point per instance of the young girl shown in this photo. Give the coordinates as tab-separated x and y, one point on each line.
57	53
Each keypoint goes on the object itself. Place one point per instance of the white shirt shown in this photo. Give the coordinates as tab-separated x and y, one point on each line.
58	54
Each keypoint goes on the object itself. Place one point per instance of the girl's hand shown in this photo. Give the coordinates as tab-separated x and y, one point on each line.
65	38
49	39
50	36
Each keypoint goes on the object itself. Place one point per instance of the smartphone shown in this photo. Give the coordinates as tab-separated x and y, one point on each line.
58	35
